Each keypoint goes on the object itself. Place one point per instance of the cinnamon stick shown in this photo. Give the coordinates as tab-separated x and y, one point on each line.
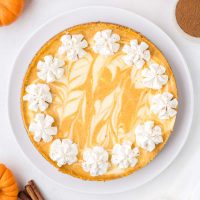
22	196
31	192
36	190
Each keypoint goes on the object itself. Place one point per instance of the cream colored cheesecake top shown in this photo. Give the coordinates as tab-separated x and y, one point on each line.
99	101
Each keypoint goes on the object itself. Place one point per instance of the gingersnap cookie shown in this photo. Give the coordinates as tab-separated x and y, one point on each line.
99	101
188	16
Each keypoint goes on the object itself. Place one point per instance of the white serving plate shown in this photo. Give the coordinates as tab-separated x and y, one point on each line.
156	35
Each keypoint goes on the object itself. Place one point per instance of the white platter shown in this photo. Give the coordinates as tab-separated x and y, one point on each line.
156	35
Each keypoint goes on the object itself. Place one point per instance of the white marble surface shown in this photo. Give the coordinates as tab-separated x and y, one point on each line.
181	176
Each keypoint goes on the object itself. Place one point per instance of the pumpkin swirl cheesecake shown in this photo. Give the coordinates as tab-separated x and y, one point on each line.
99	101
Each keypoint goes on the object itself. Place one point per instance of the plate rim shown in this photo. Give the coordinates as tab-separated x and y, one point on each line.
39	28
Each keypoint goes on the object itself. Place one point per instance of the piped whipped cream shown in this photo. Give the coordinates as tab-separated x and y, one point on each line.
95	161
136	54
105	42
124	156
38	96
50	69
154	76
164	105
73	46
42	128
63	152
148	135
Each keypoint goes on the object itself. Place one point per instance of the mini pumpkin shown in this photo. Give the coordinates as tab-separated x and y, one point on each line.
10	11
8	185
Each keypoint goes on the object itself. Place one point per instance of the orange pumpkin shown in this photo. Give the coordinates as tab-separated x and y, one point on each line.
8	185
10	11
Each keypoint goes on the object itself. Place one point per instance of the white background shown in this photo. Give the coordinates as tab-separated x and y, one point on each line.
161	13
